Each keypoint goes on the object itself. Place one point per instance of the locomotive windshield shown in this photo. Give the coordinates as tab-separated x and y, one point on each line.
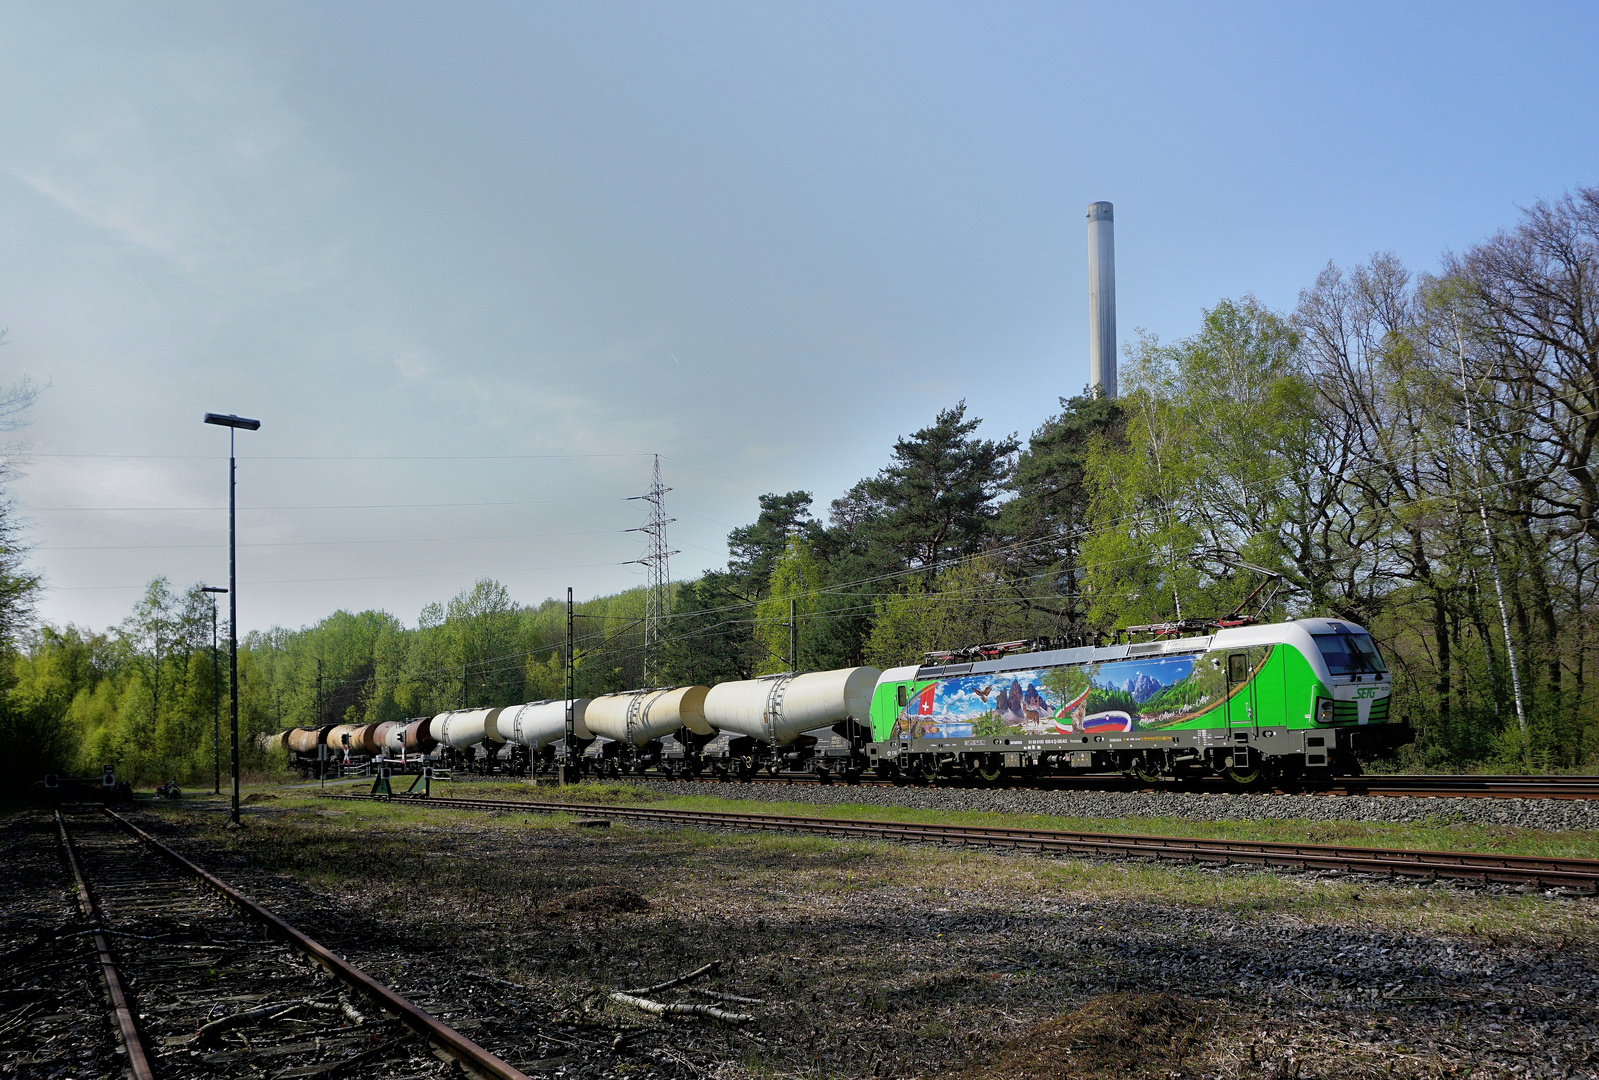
1350	654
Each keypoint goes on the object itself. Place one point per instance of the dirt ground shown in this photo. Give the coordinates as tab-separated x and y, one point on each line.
875	960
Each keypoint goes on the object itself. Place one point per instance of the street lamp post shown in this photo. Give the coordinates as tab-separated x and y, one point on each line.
216	704
233	423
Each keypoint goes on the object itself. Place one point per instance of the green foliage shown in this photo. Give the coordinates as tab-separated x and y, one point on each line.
791	588
938	498
1216	427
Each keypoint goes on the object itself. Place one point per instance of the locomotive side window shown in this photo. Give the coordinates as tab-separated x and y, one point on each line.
1350	654
1237	668
902	696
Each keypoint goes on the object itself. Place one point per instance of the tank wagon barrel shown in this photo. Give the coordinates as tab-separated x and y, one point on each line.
637	717
540	723
336	735
389	737
417	737
779	708
464	727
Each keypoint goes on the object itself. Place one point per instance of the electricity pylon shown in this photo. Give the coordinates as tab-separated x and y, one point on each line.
657	568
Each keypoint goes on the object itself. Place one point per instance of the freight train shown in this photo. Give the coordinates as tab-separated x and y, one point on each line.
1307	698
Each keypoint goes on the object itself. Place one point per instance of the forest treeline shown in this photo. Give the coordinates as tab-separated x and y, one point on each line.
1413	452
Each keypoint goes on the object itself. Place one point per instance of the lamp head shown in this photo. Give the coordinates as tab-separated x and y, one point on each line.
212	588
229	420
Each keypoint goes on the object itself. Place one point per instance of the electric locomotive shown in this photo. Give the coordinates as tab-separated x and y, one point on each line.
1302	698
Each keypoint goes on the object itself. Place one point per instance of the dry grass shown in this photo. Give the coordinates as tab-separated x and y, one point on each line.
1137	1036
885	960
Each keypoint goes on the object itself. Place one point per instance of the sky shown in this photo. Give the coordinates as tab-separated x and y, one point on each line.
472	265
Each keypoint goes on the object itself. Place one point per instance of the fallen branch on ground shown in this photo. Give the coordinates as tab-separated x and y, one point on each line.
719	996
212	1033
709	969
660	1008
351	1013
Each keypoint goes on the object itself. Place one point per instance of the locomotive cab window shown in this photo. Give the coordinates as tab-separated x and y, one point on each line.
1350	654
1237	668
903	698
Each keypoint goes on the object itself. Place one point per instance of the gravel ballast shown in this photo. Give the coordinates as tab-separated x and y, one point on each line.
1552	814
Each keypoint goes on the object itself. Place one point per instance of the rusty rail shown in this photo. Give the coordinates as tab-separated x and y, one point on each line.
471	1056
138	1059
1577	875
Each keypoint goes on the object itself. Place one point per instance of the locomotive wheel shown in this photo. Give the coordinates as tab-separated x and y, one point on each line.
989	774
1146	774
1245	777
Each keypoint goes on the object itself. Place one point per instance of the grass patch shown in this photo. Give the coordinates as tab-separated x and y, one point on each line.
336	845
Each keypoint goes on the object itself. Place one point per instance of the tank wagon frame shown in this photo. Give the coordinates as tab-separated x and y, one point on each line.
1308	698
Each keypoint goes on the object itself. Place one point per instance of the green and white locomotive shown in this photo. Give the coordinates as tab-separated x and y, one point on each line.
1293	699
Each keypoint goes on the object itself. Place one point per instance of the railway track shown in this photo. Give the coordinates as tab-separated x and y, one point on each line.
1392	786
1576	876
204	982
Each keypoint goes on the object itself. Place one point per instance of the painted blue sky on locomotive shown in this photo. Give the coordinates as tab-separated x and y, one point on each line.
1045	701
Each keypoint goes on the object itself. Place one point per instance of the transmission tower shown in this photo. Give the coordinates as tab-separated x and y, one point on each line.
656	567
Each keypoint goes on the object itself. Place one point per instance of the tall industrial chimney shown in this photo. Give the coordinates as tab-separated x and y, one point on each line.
1102	298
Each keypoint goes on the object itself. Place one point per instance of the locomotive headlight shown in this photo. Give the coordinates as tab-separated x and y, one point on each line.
1324	711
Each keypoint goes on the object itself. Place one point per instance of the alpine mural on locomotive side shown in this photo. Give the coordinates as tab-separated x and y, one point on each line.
1122	695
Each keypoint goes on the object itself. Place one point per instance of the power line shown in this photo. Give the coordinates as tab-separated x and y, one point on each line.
346	506
325	543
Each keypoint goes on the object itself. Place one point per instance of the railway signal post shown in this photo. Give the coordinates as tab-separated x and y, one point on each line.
233	423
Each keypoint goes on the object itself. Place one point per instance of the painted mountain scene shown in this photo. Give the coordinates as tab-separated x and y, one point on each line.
1125	695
